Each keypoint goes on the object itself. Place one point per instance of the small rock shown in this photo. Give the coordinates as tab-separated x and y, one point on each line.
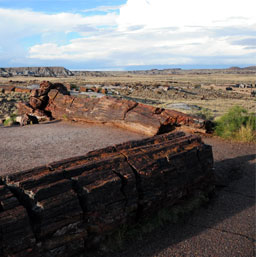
27	120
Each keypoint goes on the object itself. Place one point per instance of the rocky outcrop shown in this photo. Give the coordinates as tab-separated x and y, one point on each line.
35	72
66	207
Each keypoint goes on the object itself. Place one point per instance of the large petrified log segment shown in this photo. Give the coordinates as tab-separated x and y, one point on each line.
141	118
16	234
168	171
107	190
134	116
64	207
53	100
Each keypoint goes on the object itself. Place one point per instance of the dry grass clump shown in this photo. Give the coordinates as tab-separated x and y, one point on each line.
237	124
246	134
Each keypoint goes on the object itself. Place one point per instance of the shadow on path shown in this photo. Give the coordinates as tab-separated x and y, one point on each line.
225	227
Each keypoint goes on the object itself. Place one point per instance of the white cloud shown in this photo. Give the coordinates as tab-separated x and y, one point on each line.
164	13
146	32
103	9
26	22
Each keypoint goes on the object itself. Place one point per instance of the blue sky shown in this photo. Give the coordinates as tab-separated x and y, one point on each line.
127	34
55	6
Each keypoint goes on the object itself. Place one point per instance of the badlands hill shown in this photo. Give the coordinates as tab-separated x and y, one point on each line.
35	72
63	72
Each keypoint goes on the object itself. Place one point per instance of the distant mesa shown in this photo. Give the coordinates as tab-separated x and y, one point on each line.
245	68
63	72
35	72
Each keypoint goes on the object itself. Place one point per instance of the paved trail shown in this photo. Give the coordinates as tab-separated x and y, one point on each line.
30	146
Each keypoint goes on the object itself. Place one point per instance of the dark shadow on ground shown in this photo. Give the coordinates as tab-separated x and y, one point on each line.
50	122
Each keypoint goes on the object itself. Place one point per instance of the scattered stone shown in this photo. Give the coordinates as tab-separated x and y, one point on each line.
27	119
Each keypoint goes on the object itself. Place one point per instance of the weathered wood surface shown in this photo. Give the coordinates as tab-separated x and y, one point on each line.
55	102
60	209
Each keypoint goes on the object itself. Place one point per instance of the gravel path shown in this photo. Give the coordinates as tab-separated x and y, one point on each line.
30	146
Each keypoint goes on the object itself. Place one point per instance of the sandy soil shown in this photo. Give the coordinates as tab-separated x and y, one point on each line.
30	146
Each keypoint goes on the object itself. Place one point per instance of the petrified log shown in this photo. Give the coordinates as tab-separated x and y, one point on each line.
56	102
60	208
130	115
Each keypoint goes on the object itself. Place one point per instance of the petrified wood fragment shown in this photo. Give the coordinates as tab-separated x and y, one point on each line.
61	208
39	99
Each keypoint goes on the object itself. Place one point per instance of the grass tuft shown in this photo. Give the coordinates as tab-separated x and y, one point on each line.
10	120
205	114
237	124
246	134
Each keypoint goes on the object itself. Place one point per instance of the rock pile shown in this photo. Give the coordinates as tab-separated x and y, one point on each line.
66	207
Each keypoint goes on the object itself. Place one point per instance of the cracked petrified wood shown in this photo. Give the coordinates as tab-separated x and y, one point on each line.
126	114
53	100
63	208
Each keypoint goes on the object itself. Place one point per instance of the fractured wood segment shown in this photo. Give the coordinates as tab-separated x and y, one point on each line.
16	234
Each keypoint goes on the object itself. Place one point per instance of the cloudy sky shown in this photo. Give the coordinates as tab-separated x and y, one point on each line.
127	34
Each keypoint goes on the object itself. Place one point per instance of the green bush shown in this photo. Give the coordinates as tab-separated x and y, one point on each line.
74	87
235	123
205	114
10	120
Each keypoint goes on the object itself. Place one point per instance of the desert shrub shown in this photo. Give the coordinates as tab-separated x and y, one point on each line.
197	86
237	124
74	87
64	116
205	114
10	120
245	134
